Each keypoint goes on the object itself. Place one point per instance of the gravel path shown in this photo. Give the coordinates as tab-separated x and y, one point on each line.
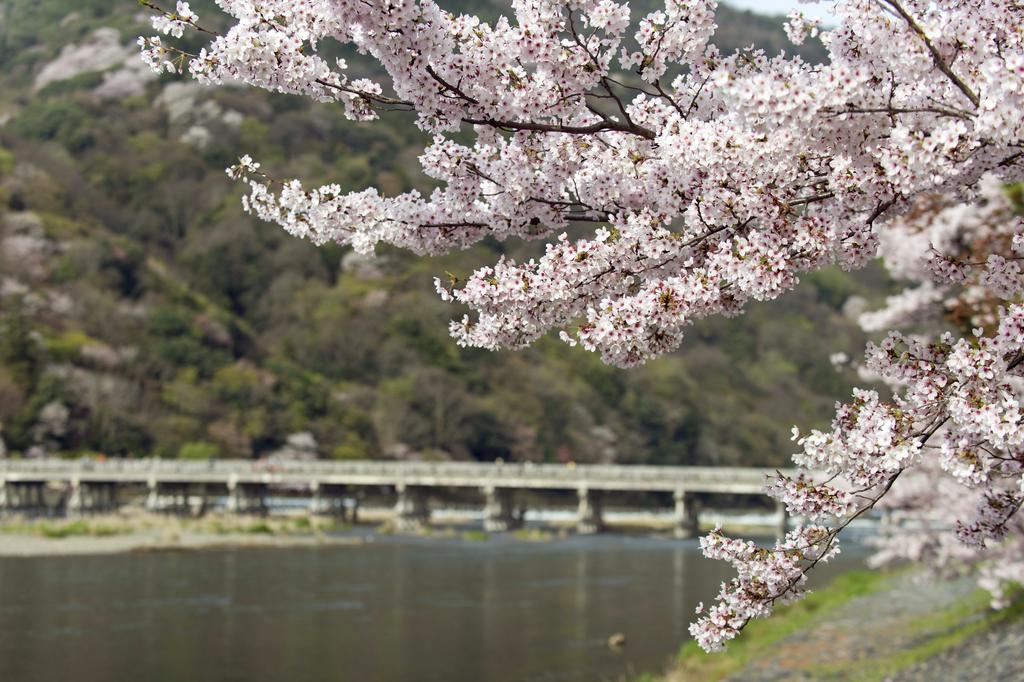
993	655
866	628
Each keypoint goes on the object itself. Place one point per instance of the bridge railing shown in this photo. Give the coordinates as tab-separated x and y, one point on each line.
491	473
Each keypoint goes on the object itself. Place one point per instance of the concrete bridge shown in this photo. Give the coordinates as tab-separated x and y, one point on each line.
173	485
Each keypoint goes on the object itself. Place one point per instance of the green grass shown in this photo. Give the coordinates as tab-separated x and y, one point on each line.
64	530
258	528
56	531
533	535
760	636
333	526
475	536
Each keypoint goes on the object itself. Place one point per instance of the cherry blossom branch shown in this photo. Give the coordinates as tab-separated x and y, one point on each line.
940	63
605	125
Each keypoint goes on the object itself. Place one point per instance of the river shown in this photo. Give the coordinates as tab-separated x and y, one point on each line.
402	609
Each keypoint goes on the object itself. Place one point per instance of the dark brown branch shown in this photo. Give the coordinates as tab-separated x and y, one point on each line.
174	15
879	210
1010	160
453	88
939	111
600	127
668	97
940	63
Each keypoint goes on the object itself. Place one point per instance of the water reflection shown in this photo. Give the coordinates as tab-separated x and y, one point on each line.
392	610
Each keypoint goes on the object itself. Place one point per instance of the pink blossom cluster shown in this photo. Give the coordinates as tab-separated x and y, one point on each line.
710	180
809	499
764	576
174	24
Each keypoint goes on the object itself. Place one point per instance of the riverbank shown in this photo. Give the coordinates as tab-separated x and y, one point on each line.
137	531
132	529
871	626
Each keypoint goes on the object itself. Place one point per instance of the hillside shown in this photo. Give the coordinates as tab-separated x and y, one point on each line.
142	312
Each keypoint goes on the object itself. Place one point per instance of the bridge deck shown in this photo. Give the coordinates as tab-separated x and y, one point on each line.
736	480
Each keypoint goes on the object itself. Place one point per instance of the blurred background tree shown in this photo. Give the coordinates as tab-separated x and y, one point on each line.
183	328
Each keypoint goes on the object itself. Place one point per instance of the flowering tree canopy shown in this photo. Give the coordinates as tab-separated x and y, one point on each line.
711	179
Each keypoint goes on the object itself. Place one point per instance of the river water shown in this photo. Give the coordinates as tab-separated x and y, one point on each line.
394	609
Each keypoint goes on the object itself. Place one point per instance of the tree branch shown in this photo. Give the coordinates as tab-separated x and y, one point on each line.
940	63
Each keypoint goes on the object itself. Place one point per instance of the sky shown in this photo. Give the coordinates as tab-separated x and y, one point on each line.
819	9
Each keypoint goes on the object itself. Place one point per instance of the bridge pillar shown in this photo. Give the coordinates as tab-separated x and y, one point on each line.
85	498
201	508
245	498
233	502
411	509
353	511
499	510
75	503
686	514
179	497
318	504
588	516
153	496
781	519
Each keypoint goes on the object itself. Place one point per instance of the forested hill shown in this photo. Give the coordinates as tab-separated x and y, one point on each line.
141	312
